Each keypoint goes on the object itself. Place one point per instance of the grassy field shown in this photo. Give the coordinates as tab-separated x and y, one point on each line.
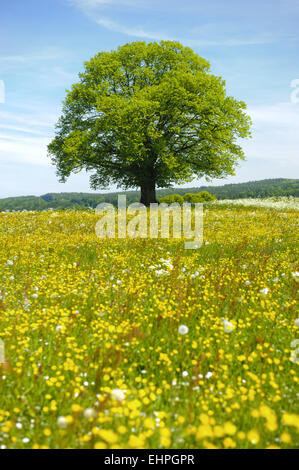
143	344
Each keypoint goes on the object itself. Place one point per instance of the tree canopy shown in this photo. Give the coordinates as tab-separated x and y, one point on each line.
148	115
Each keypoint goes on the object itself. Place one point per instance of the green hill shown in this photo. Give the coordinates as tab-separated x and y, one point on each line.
254	189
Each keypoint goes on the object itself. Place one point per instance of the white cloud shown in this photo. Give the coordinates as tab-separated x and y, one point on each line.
49	53
34	119
227	42
131	31
24	137
20	129
206	35
228	33
140	32
2	91
23	149
92	4
90	7
55	77
275	140
278	114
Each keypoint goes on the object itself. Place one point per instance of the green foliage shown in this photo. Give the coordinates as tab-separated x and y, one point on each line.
255	189
174	198
148	115
263	188
205	196
189	197
201	197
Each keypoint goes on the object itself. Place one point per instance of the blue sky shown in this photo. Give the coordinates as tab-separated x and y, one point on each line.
254	46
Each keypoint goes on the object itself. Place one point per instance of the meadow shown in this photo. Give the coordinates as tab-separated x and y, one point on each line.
143	344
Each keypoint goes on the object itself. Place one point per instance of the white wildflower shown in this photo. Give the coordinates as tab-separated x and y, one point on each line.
62	422
90	413
264	291
161	272
227	325
183	329
117	395
167	263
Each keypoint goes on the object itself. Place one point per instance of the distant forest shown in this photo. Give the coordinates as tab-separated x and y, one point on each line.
252	189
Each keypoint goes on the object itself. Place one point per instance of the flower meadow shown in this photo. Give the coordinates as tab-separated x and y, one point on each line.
278	203
140	343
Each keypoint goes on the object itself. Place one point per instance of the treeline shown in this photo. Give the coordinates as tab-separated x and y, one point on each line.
254	189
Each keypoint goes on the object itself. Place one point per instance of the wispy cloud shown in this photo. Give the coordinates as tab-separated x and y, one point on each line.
275	136
57	76
206	35
132	31
92	4
95	8
26	130
200	40
23	149
24	136
228	41
34	119
50	53
279	115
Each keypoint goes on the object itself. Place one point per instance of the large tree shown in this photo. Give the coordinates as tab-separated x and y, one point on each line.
147	116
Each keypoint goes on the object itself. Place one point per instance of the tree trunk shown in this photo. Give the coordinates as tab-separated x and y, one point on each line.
148	193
